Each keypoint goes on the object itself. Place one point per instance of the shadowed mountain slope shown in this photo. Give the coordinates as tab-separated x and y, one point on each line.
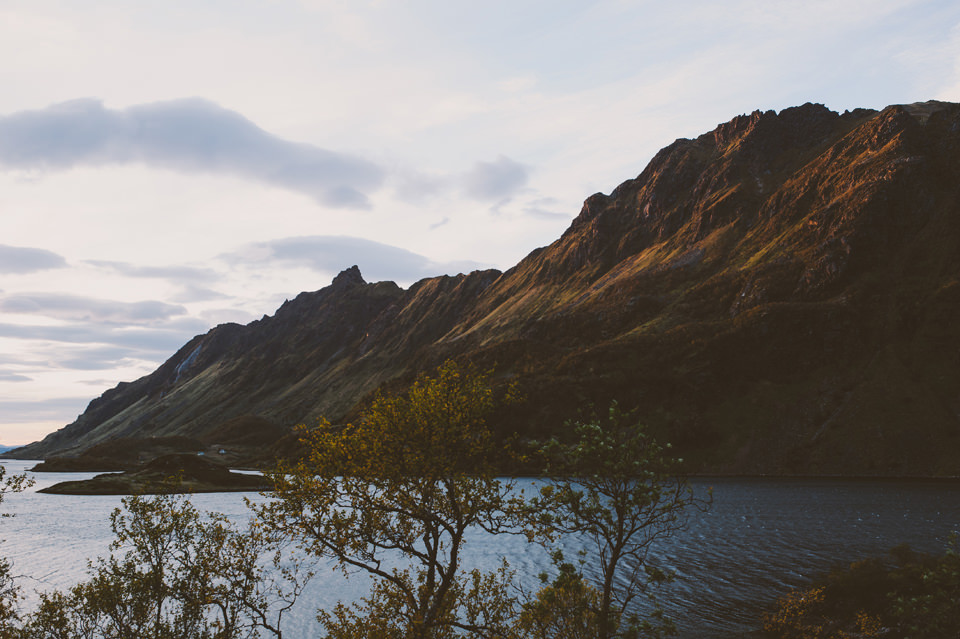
780	295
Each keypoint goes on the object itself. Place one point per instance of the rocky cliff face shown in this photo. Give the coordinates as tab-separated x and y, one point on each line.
780	295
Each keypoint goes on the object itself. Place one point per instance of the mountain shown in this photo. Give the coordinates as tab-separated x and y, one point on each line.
780	295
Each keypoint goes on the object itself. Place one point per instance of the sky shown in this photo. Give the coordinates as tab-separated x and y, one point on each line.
168	166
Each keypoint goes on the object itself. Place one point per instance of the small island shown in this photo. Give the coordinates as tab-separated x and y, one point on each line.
178	473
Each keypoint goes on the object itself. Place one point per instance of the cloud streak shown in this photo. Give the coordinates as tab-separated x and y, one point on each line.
95	358
20	260
87	309
14	377
187	136
544	208
332	253
150	342
176	273
46	357
497	180
189	280
48	410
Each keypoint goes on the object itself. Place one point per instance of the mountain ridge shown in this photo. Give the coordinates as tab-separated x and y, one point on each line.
777	295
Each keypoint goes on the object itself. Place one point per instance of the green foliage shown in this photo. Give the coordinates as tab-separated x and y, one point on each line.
409	480
566	608
915	597
926	604
618	488
173	573
12	484
9	590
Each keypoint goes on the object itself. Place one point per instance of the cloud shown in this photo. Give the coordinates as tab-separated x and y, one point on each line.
17	259
494	181
185	277
97	358
16	359
218	316
60	356
416	186
13	377
176	273
16	411
151	342
332	253
88	309
191	293
187	135
543	208
498	180
99	383
109	333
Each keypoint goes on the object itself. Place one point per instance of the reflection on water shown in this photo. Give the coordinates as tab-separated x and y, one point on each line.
765	536
760	538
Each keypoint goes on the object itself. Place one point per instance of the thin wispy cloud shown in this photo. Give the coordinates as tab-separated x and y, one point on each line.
14	377
99	383
544	208
216	316
159	342
61	356
190	293
71	307
332	253
175	273
95	358
19	259
187	135
494	181
46	410
190	281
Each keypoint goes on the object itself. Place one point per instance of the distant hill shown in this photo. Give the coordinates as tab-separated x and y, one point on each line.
780	295
4	449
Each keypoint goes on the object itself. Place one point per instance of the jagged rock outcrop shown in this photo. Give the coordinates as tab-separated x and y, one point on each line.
780	295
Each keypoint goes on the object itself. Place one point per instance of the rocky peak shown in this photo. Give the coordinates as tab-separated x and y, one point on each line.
729	132
349	278
763	136
693	187
923	110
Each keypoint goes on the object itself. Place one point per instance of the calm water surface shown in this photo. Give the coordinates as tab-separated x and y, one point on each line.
760	538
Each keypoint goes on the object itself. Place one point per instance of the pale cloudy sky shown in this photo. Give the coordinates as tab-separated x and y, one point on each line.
169	165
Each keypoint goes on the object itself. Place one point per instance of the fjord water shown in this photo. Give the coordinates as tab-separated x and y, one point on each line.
760	538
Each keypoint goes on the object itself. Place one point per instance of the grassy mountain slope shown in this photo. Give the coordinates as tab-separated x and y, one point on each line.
780	295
